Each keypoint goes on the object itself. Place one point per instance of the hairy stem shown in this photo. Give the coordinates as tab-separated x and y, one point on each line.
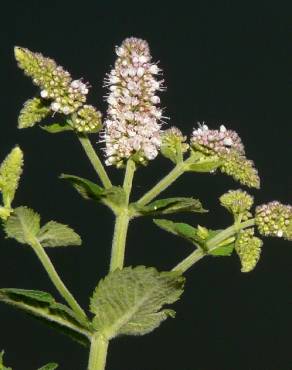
56	280
211	244
122	222
98	352
95	161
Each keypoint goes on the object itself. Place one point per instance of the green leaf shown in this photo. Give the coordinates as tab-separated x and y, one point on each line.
54	234
208	164
181	229
22	225
130	301
112	197
86	188
170	205
225	248
55	128
2	366
44	307
10	172
34	110
50	366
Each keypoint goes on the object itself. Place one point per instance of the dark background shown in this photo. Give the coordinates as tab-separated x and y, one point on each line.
224	62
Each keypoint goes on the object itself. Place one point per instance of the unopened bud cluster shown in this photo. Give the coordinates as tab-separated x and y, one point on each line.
238	202
56	84
173	143
132	124
87	120
248	248
274	219
227	145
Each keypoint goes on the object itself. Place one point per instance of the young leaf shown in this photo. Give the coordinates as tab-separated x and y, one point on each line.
10	172
130	301
23	224
181	229
112	197
54	234
50	366
206	164
224	250
170	205
55	128
43	306
33	111
86	188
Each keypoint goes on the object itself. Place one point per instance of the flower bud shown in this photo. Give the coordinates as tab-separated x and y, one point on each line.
87	120
173	144
248	248
132	126
10	172
33	111
238	202
274	219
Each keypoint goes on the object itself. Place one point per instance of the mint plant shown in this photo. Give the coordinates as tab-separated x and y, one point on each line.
131	300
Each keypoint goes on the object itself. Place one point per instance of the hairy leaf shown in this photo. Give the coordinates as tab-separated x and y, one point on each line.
54	234
130	301
55	128
170	205
10	172
22	224
43	306
34	110
50	366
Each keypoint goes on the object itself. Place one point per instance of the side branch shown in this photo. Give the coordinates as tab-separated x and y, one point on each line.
94	159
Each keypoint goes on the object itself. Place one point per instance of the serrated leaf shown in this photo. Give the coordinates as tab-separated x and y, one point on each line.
181	229
55	128
170	205
10	172
23	224
34	110
50	366
43	306
54	234
130	301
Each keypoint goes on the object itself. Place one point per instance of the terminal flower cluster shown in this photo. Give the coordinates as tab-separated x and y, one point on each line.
133	117
238	202
64	94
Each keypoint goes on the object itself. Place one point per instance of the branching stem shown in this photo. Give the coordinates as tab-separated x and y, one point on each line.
211	244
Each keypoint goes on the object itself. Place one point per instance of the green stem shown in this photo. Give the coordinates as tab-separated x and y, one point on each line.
189	261
56	280
176	172
95	161
211	244
98	352
122	222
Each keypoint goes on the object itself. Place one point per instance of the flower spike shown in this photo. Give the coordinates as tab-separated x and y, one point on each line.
227	145
248	247
56	84
132	127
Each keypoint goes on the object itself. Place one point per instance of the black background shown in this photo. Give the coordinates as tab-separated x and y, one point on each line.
224	62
